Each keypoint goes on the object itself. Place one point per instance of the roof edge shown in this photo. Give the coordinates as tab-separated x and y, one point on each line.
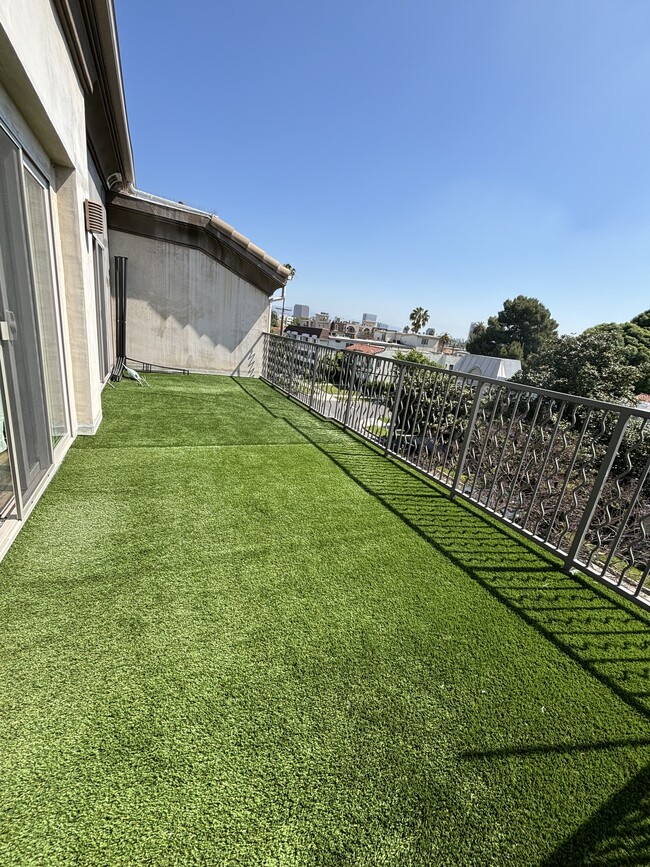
103	26
220	227
160	220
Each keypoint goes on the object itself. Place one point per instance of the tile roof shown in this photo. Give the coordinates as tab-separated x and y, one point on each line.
363	347
221	226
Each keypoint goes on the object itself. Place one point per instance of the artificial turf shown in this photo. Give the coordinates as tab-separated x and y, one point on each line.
234	634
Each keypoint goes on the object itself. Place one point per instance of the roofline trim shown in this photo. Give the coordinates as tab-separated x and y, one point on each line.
100	15
156	221
220	226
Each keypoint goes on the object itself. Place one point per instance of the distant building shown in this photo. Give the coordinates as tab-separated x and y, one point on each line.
416	341
369	319
320	320
486	365
300	311
305	332
366	348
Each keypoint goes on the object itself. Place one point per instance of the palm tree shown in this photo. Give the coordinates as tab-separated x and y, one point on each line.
444	340
419	318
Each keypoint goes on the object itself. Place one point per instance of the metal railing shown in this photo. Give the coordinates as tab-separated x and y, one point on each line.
572	474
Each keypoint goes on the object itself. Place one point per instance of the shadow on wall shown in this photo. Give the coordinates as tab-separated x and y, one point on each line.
251	363
180	295
184	349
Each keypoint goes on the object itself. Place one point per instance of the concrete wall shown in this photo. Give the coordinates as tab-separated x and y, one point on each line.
187	310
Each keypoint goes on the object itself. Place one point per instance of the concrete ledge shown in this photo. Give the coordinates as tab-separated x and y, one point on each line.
85	430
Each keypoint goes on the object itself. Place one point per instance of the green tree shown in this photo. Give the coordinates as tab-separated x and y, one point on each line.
519	330
418	318
642	320
636	342
595	364
275	319
330	367
416	357
444	339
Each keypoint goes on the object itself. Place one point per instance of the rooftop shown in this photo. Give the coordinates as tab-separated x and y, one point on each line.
367	348
235	633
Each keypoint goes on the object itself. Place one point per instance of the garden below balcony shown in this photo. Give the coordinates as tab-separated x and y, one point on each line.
236	634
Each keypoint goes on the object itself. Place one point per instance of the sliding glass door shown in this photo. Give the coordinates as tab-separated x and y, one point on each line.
39	223
22	358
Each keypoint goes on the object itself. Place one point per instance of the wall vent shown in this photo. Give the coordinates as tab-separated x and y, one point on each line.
94	217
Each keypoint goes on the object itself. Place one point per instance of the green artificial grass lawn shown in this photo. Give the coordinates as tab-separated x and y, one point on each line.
234	634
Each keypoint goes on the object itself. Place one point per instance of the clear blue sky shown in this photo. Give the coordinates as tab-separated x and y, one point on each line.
443	153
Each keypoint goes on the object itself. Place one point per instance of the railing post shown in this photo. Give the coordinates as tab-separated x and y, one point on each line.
468	436
393	418
265	356
313	378
626	517
291	362
596	491
350	386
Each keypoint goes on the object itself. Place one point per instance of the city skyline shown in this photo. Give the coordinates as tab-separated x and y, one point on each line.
289	310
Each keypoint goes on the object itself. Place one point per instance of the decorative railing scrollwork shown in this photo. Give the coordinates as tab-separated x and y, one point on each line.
572	474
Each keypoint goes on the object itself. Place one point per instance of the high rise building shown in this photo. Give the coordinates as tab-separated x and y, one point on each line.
369	319
300	311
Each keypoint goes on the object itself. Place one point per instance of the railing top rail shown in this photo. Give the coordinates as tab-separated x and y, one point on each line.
621	408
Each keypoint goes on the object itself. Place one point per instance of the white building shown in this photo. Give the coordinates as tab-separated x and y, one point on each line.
486	365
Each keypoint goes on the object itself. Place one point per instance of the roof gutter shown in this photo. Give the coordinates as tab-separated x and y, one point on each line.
101	18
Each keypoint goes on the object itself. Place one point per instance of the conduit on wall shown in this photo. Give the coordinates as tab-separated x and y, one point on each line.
120	318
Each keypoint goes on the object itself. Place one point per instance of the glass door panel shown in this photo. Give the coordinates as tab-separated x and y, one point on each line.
20	344
42	267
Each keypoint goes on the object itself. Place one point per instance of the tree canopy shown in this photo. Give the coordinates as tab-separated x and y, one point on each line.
608	362
416	357
636	343
595	364
643	319
419	318
519	330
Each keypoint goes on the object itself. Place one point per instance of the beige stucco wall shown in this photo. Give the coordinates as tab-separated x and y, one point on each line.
42	105
186	310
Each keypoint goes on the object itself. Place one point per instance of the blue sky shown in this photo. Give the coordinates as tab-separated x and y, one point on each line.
444	154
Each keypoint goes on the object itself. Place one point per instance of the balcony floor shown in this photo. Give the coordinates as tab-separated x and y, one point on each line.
234	634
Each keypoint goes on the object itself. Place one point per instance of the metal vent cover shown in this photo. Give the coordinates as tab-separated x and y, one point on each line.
94	214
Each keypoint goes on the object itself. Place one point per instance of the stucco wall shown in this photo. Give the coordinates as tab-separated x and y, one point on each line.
42	104
186	310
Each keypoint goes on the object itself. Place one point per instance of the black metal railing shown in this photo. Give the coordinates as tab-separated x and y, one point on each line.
572	474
